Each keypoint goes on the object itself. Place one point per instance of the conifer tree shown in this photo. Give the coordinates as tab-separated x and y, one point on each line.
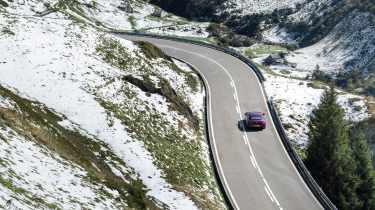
329	156
364	170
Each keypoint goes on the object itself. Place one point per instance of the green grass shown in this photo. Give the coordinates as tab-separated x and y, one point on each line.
3	3
286	72
114	53
110	48
3	163
78	14
357	108
151	51
177	155
191	78
263	49
6	30
250	54
73	9
151	17
315	85
117	55
33	118
283	73
132	22
174	153
164	89
193	82
9	184
37	201
300	152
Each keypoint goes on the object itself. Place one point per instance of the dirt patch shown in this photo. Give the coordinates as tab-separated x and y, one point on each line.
370	102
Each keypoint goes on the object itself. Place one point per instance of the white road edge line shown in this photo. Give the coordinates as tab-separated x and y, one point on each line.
268	193
213	138
216	152
243	136
238	104
238	110
278	137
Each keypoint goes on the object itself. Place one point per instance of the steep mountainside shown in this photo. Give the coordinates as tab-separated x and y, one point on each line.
315	19
91	121
348	45
197	9
342	29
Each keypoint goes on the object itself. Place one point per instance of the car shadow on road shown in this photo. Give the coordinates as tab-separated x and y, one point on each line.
241	126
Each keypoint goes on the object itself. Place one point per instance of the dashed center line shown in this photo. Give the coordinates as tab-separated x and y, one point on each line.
268	193
238	110
246	140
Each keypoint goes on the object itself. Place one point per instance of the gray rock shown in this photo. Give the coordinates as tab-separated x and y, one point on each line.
157	12
126	7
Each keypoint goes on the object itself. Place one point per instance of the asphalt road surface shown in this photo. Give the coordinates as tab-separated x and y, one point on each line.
254	167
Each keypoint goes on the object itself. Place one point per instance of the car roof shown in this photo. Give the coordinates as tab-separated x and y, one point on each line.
254	114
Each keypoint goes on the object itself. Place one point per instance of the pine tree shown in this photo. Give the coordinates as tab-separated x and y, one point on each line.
329	156
364	170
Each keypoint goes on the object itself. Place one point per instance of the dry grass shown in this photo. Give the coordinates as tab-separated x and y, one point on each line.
370	102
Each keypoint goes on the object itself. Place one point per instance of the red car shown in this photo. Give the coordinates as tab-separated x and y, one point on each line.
255	120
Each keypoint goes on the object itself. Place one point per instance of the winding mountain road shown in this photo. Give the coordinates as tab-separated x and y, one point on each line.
254	167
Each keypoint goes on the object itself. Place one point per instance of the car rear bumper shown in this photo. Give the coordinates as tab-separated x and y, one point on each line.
257	126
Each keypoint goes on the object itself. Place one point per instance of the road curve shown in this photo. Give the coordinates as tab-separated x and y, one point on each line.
254	168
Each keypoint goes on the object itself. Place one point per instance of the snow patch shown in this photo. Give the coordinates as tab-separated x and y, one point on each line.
245	7
54	62
296	100
47	176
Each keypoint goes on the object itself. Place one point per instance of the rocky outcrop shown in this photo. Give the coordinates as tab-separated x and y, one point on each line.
165	90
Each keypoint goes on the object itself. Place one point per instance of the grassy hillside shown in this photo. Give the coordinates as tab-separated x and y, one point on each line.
101	122
36	123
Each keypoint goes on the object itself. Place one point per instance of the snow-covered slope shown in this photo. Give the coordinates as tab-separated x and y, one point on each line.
295	100
295	96
335	36
129	15
88	120
246	7
338	34
34	177
350	45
